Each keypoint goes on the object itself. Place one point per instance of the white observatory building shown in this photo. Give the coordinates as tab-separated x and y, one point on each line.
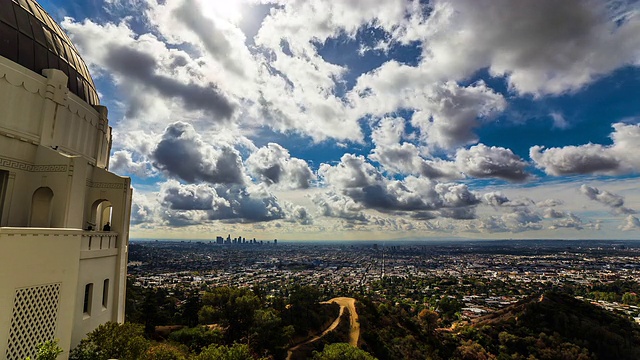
61	275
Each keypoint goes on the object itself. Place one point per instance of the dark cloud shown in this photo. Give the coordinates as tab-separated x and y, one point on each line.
549	203
540	47
334	205
495	198
522	219
492	224
298	214
616	159
517	214
140	66
142	211
273	165
614	201
498	199
189	197
570	221
574	160
182	153
453	113
481	161
351	172
461	213
423	215
361	182
456	195
515	221
405	159
550	213
192	204
519	202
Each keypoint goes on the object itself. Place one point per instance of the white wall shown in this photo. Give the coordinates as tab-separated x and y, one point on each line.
32	257
51	138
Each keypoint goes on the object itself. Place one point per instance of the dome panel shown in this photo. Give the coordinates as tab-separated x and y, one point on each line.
31	38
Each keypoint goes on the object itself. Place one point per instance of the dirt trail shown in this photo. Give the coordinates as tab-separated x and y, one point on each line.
354	324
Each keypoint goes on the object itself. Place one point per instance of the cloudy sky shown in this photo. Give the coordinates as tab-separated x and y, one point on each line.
368	119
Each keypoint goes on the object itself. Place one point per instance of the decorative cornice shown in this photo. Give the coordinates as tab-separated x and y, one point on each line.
23	166
38	84
15	78
104	185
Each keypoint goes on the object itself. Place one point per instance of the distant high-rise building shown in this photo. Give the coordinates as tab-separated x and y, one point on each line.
275	241
64	218
219	240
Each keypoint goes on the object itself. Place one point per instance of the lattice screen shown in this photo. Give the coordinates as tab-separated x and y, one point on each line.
35	313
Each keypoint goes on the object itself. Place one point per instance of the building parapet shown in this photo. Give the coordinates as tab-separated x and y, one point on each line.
34	231
92	243
99	240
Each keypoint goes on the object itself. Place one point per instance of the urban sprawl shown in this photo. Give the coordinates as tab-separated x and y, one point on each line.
482	276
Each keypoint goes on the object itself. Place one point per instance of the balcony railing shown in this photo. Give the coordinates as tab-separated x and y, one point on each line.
99	240
93	244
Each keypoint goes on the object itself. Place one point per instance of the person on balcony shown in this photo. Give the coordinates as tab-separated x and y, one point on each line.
106	227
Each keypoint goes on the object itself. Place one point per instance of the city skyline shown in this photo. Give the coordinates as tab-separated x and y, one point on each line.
370	120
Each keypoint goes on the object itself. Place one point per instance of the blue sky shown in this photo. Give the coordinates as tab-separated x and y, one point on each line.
370	120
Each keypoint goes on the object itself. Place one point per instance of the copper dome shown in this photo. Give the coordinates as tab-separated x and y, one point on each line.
31	38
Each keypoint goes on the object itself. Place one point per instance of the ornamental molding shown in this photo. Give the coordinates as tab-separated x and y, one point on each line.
104	185
18	79
39	84
23	166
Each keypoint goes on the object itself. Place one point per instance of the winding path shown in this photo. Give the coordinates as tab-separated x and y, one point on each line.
354	325
354	322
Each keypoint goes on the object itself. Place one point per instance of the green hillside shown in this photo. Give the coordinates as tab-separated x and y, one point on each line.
556	326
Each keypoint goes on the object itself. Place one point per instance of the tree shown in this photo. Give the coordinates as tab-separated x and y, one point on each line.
112	341
163	352
222	352
48	350
230	307
429	320
470	350
342	351
630	298
267	332
197	338
448	308
190	310
303	311
133	302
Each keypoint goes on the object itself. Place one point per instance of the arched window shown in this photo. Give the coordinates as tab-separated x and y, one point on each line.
41	207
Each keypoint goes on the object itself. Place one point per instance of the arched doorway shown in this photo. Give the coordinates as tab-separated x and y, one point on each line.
101	212
41	207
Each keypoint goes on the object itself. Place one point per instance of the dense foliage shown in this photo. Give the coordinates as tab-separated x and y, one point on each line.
552	326
342	351
557	326
215	320
242	323
48	350
112	341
